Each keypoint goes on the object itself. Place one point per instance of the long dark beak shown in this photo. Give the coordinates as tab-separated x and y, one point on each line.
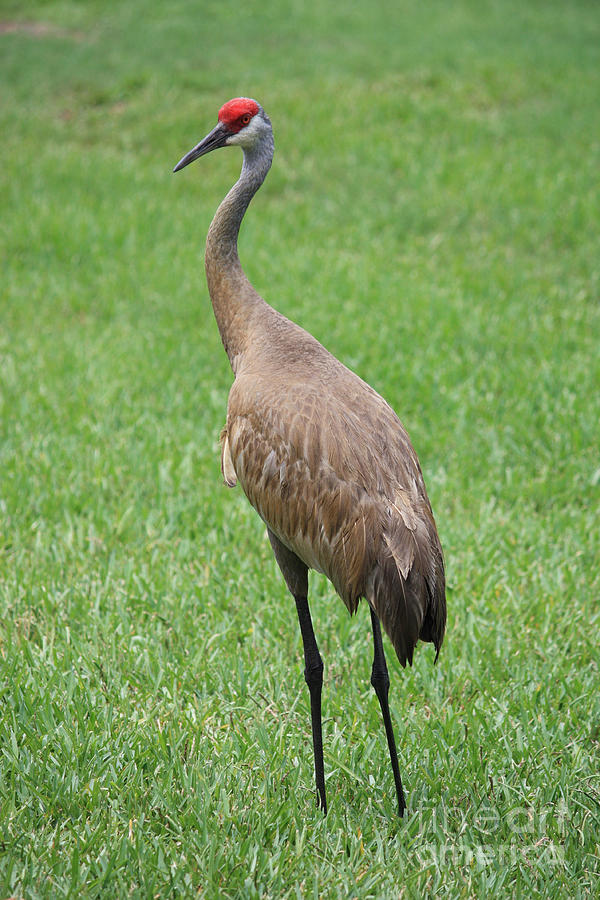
217	138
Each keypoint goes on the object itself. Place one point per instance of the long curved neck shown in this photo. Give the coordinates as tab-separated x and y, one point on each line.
235	302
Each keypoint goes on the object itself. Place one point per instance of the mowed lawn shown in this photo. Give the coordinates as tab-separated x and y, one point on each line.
432	216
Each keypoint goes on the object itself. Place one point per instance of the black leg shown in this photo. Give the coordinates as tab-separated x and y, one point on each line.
313	673
381	682
295	573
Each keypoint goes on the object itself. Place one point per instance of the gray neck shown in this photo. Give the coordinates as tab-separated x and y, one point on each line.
235	302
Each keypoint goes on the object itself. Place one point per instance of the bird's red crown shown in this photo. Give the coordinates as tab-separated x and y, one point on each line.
237	113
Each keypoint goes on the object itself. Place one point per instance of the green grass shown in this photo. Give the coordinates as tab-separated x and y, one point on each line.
432	216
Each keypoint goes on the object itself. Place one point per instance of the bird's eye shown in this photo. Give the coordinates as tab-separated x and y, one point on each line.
245	118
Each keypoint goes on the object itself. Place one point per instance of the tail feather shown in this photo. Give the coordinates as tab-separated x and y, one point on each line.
407	586
397	602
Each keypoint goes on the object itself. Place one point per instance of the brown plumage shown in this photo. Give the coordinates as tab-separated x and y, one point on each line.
320	455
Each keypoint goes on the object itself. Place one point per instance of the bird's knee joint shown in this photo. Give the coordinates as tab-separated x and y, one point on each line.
380	681
313	673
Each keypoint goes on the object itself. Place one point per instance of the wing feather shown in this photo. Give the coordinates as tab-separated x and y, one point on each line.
335	478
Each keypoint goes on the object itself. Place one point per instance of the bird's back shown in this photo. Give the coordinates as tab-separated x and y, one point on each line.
329	467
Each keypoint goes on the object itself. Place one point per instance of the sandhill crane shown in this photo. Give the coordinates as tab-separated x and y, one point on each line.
321	457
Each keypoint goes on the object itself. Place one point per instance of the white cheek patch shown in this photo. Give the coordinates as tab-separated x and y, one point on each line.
248	136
